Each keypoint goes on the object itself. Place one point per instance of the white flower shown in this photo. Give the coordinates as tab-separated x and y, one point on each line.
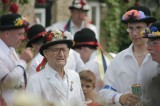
68	35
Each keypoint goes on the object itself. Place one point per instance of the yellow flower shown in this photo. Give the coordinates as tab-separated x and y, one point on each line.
18	22
156	33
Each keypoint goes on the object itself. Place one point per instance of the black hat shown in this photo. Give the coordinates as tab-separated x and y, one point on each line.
138	14
85	37
12	21
79	4
56	37
35	33
153	32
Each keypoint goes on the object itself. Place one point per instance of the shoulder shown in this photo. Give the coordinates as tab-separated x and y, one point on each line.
58	25
72	73
36	77
36	60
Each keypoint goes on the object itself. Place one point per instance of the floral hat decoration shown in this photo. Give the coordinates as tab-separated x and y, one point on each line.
79	4
56	37
138	14
153	32
12	21
51	38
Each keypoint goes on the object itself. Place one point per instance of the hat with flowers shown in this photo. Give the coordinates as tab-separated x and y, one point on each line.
55	36
12	21
138	14
152	32
80	5
35	33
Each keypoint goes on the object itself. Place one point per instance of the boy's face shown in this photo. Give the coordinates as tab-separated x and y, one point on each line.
87	88
134	30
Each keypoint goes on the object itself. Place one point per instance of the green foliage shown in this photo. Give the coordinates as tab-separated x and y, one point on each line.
113	34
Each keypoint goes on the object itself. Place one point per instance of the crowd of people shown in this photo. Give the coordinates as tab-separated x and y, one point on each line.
65	65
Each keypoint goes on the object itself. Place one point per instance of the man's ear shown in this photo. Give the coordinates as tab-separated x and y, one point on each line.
6	34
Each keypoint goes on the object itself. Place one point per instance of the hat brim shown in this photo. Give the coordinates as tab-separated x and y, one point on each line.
147	20
45	46
151	37
72	8
30	42
9	27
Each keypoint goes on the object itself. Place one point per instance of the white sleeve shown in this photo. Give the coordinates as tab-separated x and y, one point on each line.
110	92
12	77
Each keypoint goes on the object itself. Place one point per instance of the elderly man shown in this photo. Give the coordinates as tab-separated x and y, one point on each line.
55	83
35	35
153	46
132	66
12	66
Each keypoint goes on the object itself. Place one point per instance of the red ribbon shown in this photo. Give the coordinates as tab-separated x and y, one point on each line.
88	43
44	61
38	35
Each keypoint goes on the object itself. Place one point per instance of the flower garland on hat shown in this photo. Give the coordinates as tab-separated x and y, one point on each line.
151	32
133	15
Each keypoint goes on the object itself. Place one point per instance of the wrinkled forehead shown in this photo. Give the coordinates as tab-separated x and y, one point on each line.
61	45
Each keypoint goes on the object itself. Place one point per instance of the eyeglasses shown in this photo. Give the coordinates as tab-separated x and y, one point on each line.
152	43
56	51
138	29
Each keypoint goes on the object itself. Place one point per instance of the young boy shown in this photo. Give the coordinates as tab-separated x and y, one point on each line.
88	79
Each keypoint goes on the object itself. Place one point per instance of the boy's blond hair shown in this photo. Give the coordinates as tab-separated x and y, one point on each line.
88	76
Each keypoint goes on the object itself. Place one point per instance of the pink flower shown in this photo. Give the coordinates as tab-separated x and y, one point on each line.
133	15
13	8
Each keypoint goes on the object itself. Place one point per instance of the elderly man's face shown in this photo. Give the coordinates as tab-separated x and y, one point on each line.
57	55
153	47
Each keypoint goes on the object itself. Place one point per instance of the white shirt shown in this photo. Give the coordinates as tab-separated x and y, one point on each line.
93	65
14	74
74	62
125	71
47	85
74	29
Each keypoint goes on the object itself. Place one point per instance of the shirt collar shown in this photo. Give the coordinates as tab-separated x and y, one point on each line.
129	51
52	71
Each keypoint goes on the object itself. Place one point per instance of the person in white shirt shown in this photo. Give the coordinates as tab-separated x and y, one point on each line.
133	65
12	65
55	83
35	35
94	58
78	19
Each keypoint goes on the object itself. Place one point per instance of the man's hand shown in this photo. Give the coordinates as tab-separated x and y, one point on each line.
129	99
26	55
